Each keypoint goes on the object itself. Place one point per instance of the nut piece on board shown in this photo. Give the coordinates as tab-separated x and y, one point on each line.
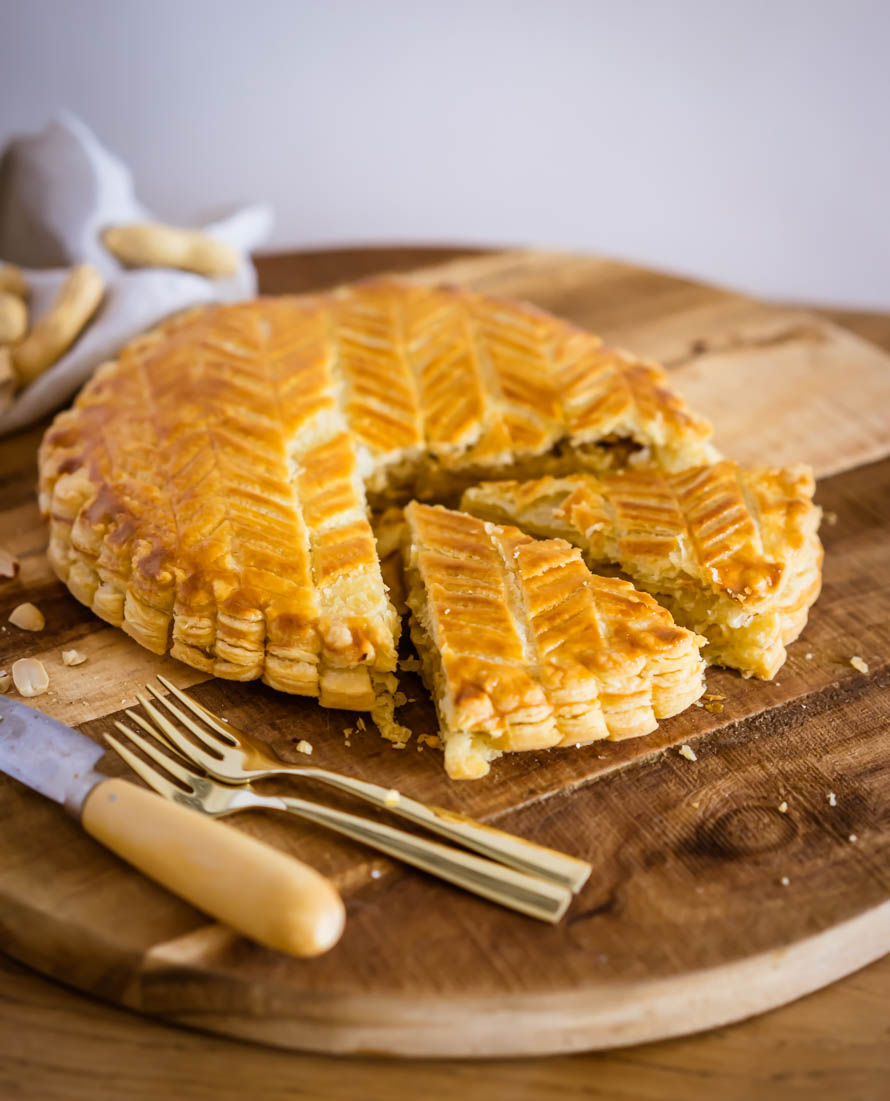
13	318
9	379
151	244
27	616
9	565
30	676
73	657
76	302
12	281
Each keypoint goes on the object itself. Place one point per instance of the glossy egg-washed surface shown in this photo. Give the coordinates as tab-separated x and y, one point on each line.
206	492
734	550
524	648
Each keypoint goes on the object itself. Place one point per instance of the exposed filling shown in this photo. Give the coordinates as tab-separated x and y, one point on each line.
427	477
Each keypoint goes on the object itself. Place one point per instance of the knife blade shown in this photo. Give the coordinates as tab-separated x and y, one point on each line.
48	756
270	897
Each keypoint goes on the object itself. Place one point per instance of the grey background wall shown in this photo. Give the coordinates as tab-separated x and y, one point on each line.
744	142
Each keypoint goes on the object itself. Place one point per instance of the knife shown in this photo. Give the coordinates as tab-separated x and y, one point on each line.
271	898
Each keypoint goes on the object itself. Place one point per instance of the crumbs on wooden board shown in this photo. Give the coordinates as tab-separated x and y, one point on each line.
688	752
859	664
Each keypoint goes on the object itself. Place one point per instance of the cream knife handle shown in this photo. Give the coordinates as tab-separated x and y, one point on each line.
268	896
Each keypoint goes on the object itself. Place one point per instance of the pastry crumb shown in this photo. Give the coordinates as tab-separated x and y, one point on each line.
360	724
853	837
410	665
688	752
694	806
830	518
832	799
399	699
304	747
375	873
783	807
859	664
712	696
714	707
809	656
785	881
432	740
73	657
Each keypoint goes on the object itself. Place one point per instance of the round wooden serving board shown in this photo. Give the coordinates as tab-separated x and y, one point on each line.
707	903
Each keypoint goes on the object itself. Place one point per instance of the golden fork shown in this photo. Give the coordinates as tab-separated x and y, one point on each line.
230	755
516	890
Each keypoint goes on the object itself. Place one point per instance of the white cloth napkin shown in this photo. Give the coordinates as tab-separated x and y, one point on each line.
58	190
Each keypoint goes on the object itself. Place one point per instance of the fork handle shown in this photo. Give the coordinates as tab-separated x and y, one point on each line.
528	894
271	898
506	848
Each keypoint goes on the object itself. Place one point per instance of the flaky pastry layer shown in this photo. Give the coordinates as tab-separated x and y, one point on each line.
732	552
524	648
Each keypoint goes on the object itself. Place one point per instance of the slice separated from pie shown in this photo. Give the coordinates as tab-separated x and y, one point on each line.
733	552
523	648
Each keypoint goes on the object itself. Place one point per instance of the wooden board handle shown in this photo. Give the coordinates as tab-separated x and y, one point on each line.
271	898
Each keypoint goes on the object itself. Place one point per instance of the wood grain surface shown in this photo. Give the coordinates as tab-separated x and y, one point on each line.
692	866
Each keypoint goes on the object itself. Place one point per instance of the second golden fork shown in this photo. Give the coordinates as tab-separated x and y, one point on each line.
230	755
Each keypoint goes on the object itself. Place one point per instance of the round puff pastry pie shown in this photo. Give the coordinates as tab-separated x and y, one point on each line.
208	490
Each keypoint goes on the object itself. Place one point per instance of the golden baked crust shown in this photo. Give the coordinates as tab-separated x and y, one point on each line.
206	492
442	386
733	552
523	648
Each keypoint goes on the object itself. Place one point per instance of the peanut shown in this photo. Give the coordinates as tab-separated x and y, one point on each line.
13	318
30	677
151	244
12	281
76	302
28	617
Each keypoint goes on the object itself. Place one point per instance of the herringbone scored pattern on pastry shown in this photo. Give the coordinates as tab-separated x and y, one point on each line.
524	648
207	491
442	386
732	552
